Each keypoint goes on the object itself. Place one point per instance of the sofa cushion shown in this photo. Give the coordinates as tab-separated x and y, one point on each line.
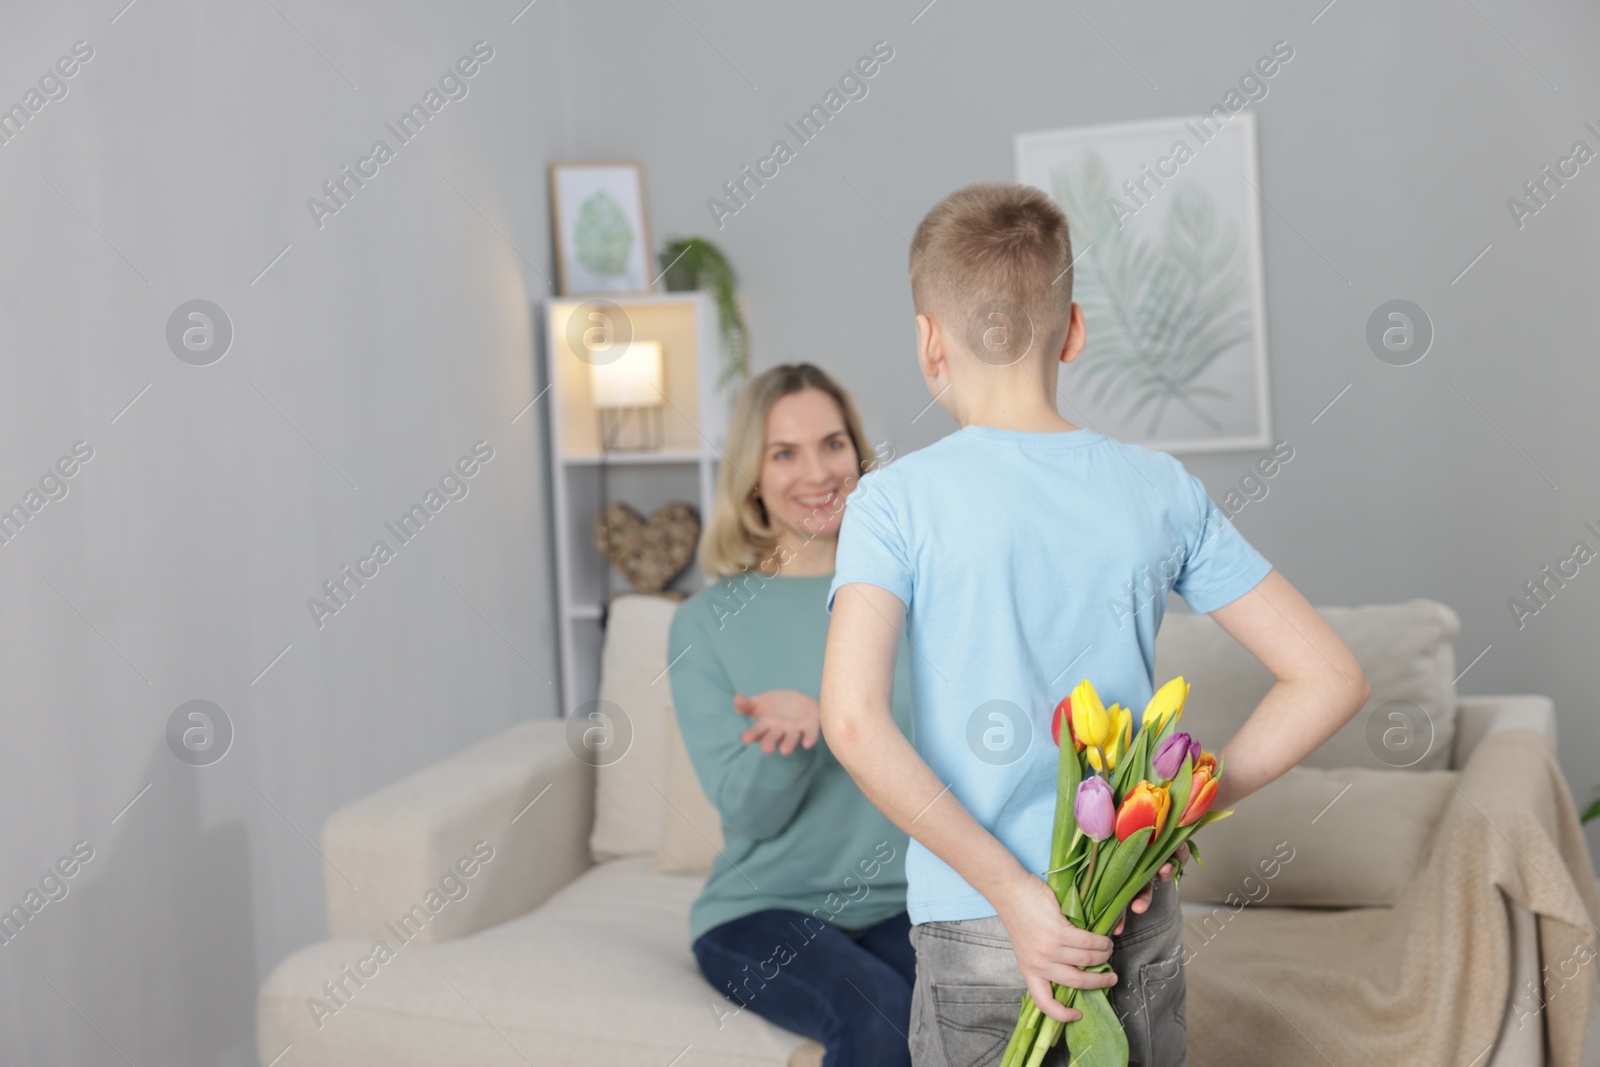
635	697
1406	651
1345	838
600	975
691	828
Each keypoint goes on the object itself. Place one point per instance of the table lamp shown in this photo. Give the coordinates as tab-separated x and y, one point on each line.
628	392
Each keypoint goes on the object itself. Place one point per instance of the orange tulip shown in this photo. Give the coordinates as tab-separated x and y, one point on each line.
1202	790
1145	805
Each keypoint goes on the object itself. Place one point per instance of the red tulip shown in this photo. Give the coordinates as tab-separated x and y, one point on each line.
1064	714
1145	805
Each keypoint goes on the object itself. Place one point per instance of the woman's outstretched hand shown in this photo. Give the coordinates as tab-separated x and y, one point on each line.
783	719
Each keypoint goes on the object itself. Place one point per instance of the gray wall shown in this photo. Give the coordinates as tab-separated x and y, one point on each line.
1389	146
378	348
364	363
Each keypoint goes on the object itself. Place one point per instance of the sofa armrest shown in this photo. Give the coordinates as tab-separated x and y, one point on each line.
1478	717
398	860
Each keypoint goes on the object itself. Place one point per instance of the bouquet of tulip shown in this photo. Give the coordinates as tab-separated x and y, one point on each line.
1115	793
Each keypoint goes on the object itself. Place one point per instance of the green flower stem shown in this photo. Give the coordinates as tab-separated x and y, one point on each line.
1022	1036
1036	1033
1140	879
1094	854
1033	1027
1093	882
1046	1040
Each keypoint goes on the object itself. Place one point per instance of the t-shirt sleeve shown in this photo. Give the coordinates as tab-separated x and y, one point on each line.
872	543
1221	566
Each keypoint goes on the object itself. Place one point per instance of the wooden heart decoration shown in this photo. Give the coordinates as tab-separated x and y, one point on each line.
650	554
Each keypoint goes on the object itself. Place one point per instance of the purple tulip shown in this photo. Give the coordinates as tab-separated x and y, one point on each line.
1169	757
1095	808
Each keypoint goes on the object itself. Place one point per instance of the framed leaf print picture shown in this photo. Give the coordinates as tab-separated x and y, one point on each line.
602	232
1166	242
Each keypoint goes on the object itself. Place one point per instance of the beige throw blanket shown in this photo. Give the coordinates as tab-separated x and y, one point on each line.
1427	981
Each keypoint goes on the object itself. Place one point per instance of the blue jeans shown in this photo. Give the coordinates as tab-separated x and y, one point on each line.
848	989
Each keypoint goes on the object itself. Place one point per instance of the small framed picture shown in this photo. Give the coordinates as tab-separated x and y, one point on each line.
602	231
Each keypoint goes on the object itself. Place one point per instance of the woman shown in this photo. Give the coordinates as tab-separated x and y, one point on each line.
803	919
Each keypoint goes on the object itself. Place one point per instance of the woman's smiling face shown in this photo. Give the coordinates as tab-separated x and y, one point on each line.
808	467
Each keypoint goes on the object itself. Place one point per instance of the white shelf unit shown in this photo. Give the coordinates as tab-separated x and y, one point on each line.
693	424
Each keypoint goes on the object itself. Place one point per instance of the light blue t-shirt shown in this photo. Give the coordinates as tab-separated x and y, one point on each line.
1028	562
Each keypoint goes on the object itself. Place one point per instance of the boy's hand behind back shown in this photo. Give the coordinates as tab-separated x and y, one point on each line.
1049	948
1141	903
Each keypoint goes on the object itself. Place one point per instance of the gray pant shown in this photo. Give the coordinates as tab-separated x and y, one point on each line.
969	989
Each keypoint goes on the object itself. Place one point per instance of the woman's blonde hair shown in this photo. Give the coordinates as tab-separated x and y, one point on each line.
739	534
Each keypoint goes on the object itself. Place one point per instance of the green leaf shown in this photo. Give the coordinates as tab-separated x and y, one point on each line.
1168	728
1075	857
1097	1039
1068	775
1119	781
708	268
1122	861
1134	765
1072	907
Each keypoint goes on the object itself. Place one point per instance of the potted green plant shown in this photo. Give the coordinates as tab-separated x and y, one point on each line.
695	263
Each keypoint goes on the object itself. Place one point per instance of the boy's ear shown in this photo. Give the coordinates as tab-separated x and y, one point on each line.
1076	334
930	347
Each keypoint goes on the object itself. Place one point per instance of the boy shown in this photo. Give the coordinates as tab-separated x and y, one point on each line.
1022	554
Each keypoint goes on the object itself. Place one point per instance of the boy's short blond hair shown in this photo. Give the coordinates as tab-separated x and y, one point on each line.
994	246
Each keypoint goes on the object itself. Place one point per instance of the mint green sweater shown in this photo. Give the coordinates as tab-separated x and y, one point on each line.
799	833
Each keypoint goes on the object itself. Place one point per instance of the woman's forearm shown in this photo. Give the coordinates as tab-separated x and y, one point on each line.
759	793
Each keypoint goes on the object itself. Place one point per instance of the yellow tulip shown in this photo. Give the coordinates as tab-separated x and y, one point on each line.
1167	703
1119	737
1091	724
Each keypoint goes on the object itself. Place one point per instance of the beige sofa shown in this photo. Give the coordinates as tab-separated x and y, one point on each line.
511	888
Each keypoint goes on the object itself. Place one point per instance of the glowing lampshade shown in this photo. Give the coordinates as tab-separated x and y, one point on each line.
632	380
